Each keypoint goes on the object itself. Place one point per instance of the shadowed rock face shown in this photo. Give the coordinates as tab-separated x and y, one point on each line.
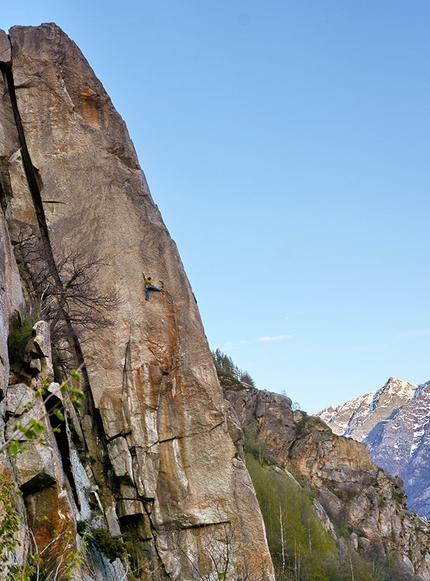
155	423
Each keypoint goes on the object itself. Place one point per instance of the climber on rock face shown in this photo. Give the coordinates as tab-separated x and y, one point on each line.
150	287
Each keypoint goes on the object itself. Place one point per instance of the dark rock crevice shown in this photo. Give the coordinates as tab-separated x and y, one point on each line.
3	191
63	445
31	172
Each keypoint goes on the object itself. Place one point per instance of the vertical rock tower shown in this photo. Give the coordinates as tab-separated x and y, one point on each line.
154	436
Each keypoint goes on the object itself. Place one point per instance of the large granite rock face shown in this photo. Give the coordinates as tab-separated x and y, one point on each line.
356	494
155	429
394	422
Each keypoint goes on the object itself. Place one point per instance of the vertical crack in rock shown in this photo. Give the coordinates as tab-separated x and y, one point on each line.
30	171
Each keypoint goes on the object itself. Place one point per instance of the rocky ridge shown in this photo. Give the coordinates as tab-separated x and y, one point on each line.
150	460
394	422
364	504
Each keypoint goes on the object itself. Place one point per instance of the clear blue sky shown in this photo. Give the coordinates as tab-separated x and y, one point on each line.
287	145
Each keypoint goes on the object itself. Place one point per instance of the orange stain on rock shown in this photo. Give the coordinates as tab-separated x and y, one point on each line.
52	524
92	106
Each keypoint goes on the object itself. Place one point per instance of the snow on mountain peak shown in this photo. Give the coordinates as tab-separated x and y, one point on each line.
394	422
352	417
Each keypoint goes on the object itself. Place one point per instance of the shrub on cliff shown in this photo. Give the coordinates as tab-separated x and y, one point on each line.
19	335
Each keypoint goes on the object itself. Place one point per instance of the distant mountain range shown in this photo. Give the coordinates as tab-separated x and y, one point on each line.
394	422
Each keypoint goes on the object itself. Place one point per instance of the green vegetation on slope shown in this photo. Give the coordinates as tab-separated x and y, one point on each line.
229	375
301	549
299	544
